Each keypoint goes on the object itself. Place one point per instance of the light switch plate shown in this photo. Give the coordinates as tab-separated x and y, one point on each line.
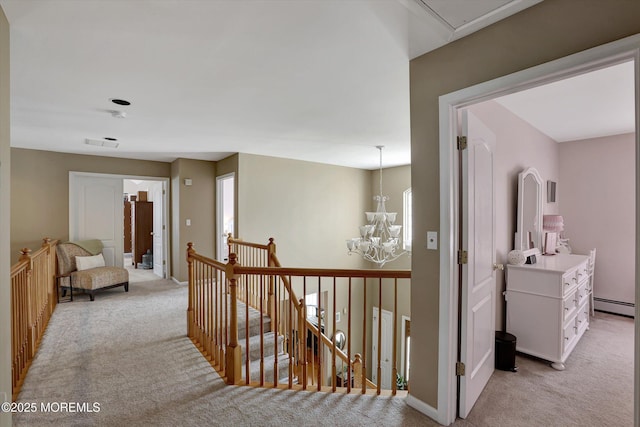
188	222
432	240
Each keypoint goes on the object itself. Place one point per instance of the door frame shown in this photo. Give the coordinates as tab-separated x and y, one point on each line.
219	207
598	57
165	208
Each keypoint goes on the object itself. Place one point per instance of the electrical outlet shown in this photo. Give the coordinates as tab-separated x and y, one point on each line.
337	316
188	223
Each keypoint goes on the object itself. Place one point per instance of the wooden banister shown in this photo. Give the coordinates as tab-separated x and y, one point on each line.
33	288
263	284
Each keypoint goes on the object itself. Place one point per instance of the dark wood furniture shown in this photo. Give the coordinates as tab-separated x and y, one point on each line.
142	230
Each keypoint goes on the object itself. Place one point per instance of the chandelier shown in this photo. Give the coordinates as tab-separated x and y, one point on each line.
379	240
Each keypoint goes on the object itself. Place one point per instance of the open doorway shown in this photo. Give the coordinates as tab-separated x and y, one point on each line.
605	56
225	213
144	228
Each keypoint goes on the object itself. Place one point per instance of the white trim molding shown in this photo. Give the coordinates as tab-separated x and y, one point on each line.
426	409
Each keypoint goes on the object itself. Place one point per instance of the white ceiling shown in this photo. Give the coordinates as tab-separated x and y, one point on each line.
313	80
596	104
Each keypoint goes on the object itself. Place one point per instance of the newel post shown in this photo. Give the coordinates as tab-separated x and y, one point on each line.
51	274
25	256
229	237
358	381
271	251
190	252
233	355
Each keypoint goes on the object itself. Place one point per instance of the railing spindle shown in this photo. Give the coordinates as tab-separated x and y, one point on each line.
394	371
379	344
362	365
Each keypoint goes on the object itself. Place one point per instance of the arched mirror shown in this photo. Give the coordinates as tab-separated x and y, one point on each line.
529	227
341	339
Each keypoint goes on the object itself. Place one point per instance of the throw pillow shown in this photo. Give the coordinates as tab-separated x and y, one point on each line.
88	262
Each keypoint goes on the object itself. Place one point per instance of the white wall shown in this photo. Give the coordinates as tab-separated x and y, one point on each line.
518	146
5	190
5	225
597	187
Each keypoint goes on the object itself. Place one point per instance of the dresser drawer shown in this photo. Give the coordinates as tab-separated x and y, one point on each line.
569	334
569	306
569	282
583	292
582	318
582	272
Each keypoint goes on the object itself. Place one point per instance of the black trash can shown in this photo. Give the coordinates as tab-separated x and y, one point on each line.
505	351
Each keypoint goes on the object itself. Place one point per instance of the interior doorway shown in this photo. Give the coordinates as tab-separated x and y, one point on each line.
600	57
145	227
225	213
97	205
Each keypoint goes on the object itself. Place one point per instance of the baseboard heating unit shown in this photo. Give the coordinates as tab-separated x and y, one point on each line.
617	307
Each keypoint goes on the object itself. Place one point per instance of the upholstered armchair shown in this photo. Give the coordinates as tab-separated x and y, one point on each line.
81	266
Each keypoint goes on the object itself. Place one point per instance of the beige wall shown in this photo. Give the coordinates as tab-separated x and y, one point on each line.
40	187
547	31
597	186
310	209
518	146
5	224
195	203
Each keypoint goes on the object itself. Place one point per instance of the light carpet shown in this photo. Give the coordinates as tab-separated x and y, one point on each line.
129	353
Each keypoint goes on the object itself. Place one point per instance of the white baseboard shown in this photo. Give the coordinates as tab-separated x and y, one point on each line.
179	282
426	409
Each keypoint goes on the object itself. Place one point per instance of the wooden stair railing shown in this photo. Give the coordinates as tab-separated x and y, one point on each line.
267	289
33	299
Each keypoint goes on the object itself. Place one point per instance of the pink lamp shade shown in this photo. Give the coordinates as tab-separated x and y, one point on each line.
554	223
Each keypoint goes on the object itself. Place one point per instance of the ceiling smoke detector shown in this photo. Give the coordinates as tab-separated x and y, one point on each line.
118	114
101	143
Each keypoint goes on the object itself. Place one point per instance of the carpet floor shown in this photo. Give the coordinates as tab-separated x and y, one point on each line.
129	354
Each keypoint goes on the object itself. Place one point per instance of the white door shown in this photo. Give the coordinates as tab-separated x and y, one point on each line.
157	196
477	328
96	206
386	348
225	213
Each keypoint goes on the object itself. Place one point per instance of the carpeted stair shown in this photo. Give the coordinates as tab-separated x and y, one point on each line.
272	349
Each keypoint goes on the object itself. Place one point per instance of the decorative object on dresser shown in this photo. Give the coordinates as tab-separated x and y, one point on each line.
548	306
552	225
516	257
555	224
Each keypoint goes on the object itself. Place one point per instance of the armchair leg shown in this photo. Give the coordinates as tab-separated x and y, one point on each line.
126	287
92	296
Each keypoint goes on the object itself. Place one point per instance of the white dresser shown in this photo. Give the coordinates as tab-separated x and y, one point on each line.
547	306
